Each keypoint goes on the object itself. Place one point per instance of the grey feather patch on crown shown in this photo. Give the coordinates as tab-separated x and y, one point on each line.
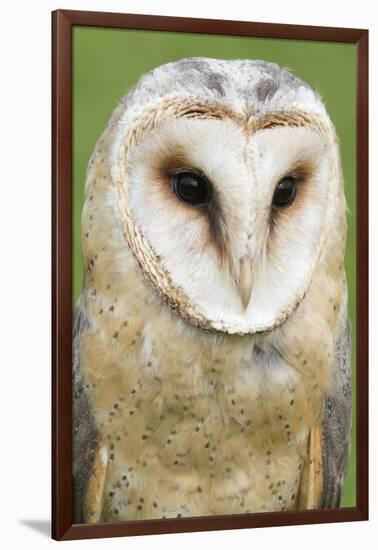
198	68
266	88
258	82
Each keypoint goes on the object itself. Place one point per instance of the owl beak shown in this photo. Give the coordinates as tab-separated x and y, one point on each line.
245	281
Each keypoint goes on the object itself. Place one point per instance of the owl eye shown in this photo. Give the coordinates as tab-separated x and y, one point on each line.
191	188
285	192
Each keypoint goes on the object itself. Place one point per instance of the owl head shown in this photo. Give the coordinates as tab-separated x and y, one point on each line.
228	182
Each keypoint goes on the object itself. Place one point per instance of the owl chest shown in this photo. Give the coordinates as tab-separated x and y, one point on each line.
199	437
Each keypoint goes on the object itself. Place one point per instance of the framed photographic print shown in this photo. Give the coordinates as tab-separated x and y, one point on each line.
210	274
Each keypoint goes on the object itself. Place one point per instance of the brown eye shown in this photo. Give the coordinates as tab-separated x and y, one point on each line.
191	188
285	192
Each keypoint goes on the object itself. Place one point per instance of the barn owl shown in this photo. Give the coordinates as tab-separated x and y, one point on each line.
211	340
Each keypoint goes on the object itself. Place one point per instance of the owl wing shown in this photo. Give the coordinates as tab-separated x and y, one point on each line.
328	445
84	435
337	422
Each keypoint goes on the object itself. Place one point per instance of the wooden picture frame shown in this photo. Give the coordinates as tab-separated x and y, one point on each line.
62	24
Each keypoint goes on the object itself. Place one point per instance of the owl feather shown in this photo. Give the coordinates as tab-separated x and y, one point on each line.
211	346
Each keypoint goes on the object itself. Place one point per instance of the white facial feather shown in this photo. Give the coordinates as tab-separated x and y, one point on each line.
244	171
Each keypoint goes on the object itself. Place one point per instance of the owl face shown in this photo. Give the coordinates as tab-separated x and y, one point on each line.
229	215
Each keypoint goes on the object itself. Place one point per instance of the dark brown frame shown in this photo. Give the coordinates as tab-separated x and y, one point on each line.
62	23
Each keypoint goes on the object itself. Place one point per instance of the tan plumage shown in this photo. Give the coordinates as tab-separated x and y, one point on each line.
195	414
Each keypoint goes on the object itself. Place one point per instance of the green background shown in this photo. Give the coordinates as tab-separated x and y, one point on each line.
107	62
